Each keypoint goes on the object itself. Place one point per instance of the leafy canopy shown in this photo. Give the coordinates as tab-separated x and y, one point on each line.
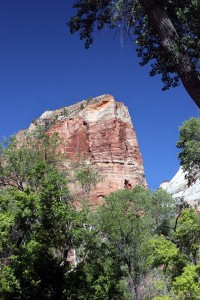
189	143
38	220
130	18
127	220
118	248
179	254
40	227
23	159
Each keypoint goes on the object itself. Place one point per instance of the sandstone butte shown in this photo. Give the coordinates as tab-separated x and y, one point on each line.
100	130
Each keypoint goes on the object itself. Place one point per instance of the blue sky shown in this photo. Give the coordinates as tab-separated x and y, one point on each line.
44	67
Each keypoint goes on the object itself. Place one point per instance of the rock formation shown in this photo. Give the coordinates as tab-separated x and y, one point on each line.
180	187
100	130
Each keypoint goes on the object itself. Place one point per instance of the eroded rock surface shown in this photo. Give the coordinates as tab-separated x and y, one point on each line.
180	187
100	129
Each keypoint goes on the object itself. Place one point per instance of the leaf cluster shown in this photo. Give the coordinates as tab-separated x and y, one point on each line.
129	18
189	143
179	256
117	248
23	160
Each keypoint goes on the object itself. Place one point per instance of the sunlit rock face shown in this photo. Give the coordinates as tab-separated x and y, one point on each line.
100	130
181	187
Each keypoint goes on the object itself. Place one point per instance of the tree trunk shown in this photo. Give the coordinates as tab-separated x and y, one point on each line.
169	37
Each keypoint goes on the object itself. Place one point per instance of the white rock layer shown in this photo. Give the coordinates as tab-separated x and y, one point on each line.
178	188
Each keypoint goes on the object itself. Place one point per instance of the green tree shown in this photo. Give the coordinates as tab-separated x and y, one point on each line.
179	255
188	234
65	112
20	158
127	221
85	175
187	285
40	226
97	275
189	143
39	223
33	230
166	33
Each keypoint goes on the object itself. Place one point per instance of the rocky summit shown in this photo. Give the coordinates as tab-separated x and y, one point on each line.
100	130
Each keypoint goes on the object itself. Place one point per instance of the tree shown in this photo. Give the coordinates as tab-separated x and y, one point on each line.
127	221
187	285
118	247
167	34
34	228
189	143
179	255
85	176
97	275
39	223
20	158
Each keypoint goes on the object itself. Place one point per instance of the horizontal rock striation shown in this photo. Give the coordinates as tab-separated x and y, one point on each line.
100	130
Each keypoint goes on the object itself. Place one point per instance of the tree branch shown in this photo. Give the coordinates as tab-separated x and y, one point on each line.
170	39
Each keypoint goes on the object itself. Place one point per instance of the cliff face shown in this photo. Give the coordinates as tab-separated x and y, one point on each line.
100	129
180	187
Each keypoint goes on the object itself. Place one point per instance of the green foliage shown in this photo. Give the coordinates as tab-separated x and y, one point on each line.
98	275
39	226
188	234
128	220
179	255
23	160
163	298
38	220
189	143
119	248
36	228
85	175
65	112
164	251
130	18
187	285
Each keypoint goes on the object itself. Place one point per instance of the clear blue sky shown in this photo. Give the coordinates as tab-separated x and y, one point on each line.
43	67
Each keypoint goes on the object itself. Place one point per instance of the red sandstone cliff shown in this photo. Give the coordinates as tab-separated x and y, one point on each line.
100	129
